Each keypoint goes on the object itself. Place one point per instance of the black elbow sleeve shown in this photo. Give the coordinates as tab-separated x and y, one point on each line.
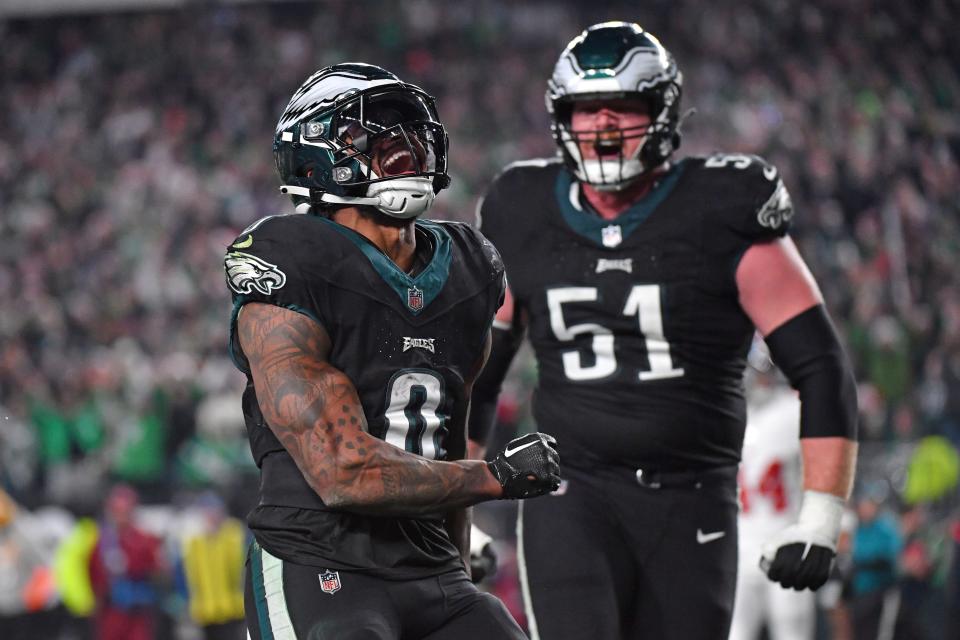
808	351
504	346
486	388
483	416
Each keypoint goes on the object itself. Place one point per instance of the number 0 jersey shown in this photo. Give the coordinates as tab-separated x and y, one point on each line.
635	322
406	342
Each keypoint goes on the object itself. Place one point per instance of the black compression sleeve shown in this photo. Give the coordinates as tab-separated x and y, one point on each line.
483	401
807	350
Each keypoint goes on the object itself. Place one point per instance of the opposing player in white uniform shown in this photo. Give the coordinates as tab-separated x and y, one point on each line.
770	491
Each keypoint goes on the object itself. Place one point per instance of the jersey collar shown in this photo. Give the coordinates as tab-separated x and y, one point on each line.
580	217
416	292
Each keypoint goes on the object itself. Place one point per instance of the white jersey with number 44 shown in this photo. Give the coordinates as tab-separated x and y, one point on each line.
770	490
770	482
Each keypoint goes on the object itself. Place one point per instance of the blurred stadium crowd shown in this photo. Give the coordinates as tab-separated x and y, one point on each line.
134	146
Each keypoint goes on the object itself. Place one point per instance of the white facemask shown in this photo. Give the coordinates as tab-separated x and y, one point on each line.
608	174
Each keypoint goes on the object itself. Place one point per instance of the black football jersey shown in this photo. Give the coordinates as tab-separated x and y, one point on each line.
406	342
635	322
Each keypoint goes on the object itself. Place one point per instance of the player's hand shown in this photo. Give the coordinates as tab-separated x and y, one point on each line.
483	557
800	556
528	466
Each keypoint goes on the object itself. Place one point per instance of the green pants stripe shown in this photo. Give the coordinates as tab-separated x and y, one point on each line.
268	593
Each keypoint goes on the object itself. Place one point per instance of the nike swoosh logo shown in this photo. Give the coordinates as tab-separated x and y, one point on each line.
509	452
704	538
243	244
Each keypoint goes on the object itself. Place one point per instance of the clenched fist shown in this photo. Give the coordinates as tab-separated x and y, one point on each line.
528	466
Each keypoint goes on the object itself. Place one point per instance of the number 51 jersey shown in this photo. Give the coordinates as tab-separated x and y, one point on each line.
635	322
408	343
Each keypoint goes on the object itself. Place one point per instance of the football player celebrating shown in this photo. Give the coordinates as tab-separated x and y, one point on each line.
361	329
639	281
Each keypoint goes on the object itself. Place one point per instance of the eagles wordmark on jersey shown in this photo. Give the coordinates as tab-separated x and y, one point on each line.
636	322
408	357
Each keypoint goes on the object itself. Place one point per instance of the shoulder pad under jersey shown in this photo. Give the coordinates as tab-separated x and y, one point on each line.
751	199
516	198
276	260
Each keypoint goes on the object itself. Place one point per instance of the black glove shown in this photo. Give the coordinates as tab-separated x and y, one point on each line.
800	566
799	557
483	557
529	466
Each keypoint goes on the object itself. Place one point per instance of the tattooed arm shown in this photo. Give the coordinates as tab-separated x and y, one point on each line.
314	411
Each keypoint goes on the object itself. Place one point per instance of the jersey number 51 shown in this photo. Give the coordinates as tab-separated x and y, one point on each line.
643	301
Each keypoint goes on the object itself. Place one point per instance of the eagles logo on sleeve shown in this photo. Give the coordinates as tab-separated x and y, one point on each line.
247	273
778	209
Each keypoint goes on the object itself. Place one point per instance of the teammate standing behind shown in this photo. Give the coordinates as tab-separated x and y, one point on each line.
770	494
361	330
639	282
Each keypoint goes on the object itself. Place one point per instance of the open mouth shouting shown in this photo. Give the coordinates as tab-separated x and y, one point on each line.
399	156
398	163
608	143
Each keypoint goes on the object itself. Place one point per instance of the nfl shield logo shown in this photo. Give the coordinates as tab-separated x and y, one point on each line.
612	236
415	298
330	582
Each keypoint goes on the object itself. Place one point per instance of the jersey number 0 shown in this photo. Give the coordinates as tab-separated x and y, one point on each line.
643	301
414	419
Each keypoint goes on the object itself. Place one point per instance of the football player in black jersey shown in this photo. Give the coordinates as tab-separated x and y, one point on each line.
639	281
361	330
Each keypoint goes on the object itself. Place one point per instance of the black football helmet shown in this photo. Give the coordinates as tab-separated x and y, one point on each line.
356	134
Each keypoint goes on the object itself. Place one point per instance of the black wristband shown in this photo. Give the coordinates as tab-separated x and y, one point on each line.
808	351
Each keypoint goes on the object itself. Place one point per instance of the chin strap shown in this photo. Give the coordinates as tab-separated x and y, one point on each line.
402	198
593	169
293	190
